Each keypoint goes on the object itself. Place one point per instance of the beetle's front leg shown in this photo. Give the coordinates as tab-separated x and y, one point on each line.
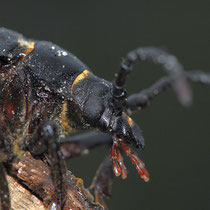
4	190
77	145
44	141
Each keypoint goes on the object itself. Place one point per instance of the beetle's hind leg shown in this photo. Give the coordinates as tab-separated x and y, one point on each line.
4	190
44	141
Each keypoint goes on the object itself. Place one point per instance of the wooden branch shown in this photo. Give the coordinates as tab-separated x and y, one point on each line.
21	198
31	187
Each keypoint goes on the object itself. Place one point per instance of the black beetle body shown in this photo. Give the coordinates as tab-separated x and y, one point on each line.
52	81
43	87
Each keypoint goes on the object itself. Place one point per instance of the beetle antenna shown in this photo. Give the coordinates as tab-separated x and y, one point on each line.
170	65
143	98
198	76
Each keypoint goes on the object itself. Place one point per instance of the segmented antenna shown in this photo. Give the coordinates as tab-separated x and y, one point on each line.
170	65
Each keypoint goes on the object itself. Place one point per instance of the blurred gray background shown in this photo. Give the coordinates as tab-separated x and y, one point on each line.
177	139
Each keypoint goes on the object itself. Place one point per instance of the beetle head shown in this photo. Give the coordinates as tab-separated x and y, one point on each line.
122	126
102	110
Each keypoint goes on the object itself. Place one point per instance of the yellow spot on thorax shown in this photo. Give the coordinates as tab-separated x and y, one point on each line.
80	77
29	45
64	119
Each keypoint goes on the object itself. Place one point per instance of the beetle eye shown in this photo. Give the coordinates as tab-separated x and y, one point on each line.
93	109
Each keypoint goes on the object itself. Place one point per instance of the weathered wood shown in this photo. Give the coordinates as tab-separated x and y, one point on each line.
21	198
31	187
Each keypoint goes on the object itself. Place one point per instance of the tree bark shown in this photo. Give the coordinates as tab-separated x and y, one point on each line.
31	187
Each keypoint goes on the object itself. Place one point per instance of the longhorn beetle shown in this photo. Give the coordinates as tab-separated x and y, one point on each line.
46	93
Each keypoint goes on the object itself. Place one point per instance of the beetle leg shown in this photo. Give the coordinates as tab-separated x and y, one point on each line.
92	139
80	144
45	141
4	190
102	182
